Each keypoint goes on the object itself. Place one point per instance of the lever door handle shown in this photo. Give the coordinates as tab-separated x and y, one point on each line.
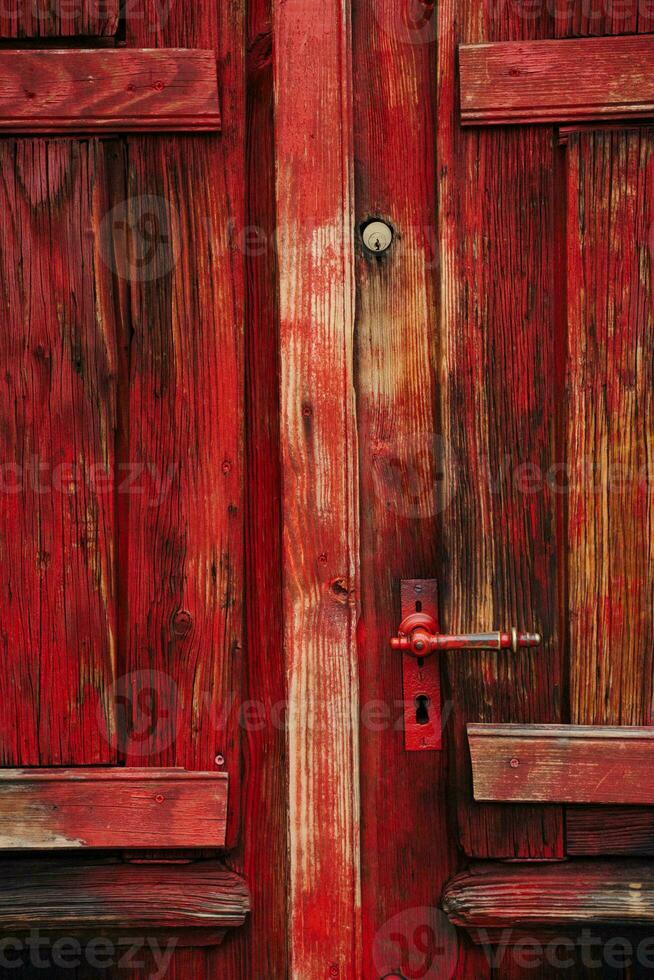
417	635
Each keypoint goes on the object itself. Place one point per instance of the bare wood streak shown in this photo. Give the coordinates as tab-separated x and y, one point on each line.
319	462
610	433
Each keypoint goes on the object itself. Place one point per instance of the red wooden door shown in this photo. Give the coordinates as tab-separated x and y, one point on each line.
545	183
468	412
122	506
504	382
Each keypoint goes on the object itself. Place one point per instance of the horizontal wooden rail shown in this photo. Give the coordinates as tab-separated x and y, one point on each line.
505	898
562	764
50	809
557	81
108	91
194	902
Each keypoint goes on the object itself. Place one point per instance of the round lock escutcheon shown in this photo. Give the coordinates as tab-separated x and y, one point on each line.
377	237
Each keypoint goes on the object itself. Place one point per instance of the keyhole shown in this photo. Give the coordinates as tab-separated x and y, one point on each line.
422	710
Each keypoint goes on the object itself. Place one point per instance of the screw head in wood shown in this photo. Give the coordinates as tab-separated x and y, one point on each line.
220	760
377	236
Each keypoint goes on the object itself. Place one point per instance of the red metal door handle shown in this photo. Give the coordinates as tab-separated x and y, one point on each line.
417	635
418	638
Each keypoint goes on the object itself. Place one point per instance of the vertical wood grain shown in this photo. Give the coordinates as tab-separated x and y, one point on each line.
185	556
262	943
57	420
497	374
588	18
611	427
586	833
46	19
184	546
319	463
400	460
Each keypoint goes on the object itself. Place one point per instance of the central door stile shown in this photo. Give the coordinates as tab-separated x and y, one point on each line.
315	226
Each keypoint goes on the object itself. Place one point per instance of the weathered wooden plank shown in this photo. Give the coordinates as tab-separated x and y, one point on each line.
109	90
120	808
500	388
400	468
182	546
602	830
58	349
45	19
557	81
96	898
516	896
593	831
610	433
183	541
184	589
315	222
562	763
263	853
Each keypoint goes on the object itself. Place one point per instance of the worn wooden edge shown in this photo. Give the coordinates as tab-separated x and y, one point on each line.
519	895
89	127
92	774
103	897
108	90
582	732
562	764
567	80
